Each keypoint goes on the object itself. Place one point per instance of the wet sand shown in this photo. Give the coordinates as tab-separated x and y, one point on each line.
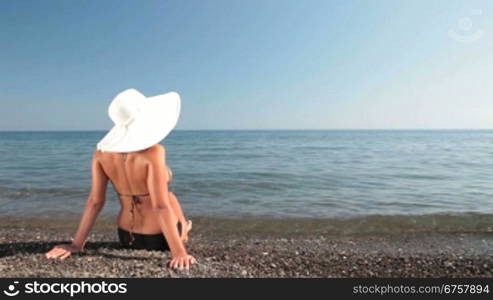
225	250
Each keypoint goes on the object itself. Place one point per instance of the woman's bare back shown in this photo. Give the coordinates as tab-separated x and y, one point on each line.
128	173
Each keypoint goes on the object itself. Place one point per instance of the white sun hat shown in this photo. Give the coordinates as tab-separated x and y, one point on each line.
140	121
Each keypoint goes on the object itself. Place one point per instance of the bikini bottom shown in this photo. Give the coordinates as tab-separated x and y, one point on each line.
144	241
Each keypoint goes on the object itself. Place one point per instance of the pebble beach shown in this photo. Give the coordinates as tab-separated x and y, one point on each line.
248	252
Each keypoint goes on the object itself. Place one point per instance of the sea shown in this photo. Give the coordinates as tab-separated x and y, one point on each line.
383	179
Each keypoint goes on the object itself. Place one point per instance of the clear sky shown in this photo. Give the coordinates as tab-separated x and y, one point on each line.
250	64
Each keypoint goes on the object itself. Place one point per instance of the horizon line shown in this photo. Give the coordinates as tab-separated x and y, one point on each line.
268	129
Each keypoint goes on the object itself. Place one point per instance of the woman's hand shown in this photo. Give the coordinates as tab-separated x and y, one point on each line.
62	251
181	261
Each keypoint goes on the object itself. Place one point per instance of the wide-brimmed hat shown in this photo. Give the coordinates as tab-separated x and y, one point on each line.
140	121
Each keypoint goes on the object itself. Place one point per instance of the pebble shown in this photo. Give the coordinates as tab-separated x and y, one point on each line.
448	264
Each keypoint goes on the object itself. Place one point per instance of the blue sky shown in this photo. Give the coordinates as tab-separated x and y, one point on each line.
250	64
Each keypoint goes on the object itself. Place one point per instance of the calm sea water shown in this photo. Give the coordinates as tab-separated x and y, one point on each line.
310	174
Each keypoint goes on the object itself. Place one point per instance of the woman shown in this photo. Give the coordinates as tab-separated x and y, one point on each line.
130	156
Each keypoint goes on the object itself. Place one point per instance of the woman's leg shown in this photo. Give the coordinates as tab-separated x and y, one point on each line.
186	225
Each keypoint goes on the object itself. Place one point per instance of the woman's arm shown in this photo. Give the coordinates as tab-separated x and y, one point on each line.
94	204
158	189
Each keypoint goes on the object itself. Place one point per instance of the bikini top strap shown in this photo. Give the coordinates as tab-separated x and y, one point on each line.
134	195
124	156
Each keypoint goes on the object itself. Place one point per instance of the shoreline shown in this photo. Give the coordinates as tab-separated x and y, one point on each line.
249	252
260	225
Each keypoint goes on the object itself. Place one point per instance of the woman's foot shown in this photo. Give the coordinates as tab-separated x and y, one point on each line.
184	234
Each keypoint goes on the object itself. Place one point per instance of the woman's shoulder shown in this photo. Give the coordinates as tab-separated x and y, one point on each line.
157	149
155	154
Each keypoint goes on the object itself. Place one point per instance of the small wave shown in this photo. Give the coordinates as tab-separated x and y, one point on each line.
44	192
